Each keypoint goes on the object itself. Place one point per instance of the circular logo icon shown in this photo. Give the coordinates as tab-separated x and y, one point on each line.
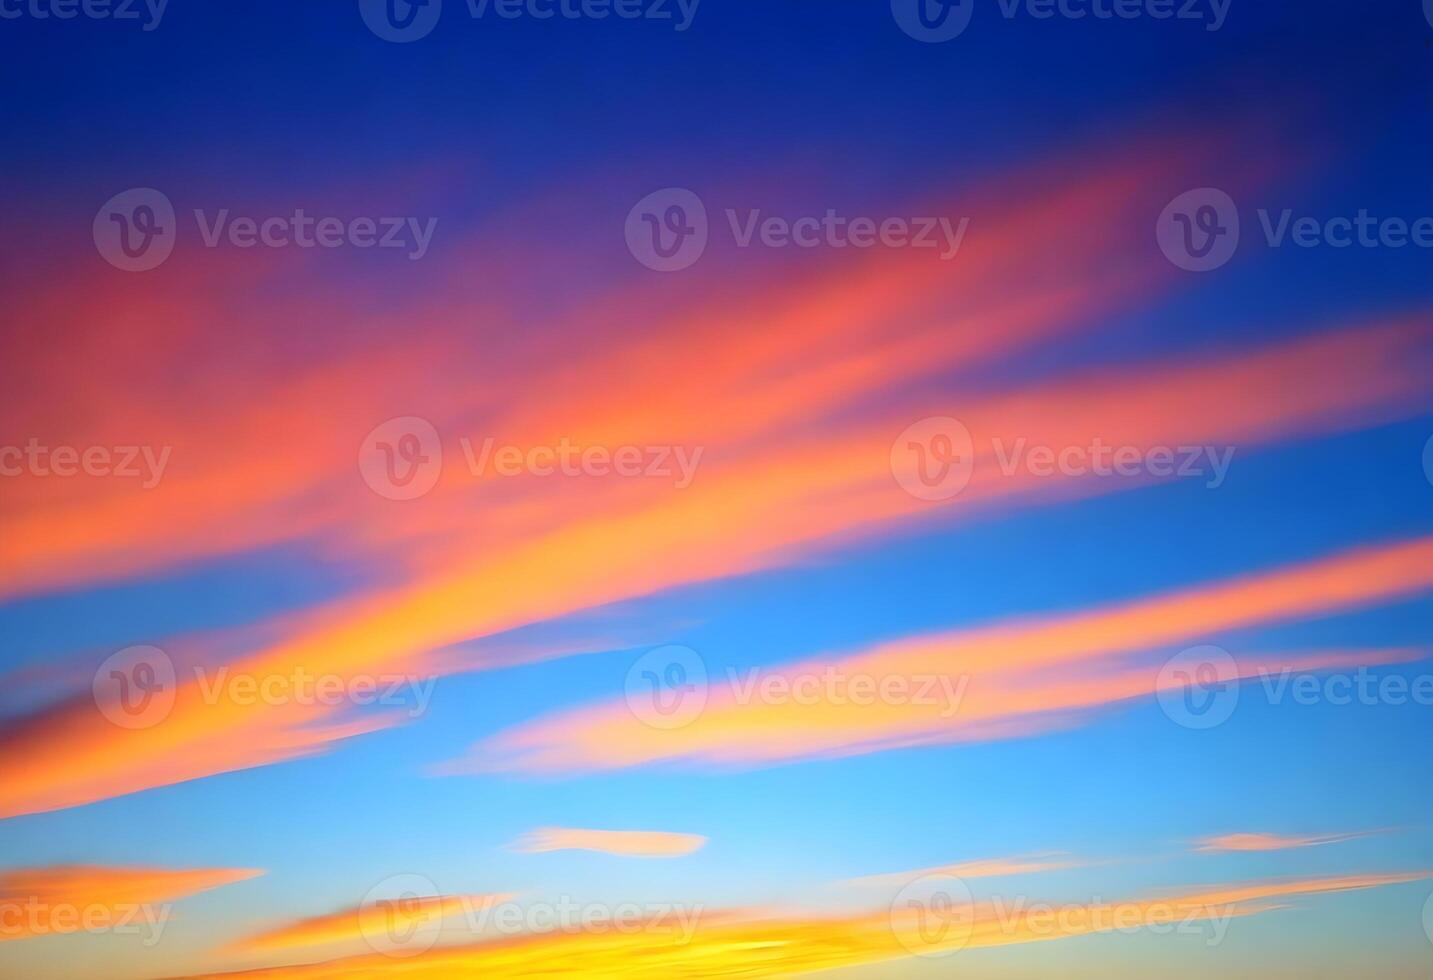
401	21
667	687
934	459
1199	688
135	230
402	915
402	458
934	915
1428	452
667	230
1199	230
1428	11
1428	905
136	687
933	21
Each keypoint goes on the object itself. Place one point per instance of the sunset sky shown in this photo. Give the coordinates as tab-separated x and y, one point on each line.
1000	595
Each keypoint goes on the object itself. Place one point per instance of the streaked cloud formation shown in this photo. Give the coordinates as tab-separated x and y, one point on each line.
42	901
1274	842
371	922
1026	675
737	944
987	868
623	843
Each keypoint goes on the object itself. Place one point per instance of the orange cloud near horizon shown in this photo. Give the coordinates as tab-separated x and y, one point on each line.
620	843
49	900
731	943
373	922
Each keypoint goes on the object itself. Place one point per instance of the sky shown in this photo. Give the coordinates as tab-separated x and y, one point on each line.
641	489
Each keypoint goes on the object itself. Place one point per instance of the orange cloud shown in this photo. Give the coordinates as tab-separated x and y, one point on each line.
71	898
373	923
987	868
1014	677
575	546
735	944
1273	842
623	843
